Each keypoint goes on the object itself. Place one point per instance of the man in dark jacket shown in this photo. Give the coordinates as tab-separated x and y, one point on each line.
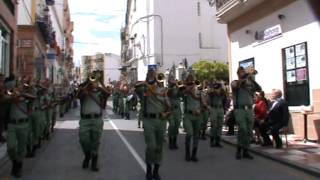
278	117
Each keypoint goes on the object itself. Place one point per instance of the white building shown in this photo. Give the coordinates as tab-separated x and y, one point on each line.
111	67
281	40
41	35
108	64
164	32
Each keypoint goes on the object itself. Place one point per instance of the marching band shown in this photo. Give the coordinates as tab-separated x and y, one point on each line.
33	111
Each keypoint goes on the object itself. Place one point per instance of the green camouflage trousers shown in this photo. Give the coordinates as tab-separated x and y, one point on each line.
244	118
49	116
192	125
216	120
154	131
17	137
174	123
205	118
90	132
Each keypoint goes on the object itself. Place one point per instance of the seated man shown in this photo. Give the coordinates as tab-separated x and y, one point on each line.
278	118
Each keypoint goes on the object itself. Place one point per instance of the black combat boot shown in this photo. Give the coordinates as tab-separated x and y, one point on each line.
175	144
203	135
246	154
39	144
94	163
14	168
211	142
217	143
187	149
238	153
149	172
86	160
29	152
33	152
19	169
194	154
156	175
170	142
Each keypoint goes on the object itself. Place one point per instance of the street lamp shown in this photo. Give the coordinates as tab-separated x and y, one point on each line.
161	33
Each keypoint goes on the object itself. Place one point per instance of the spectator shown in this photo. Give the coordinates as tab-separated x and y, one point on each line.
260	112
278	118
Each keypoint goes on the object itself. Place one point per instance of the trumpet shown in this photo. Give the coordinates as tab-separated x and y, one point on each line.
197	83
92	78
160	78
13	93
250	72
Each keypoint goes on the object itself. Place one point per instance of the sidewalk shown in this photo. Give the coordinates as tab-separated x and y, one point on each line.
300	155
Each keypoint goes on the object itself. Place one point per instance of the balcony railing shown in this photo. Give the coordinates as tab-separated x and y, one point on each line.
221	3
228	10
45	25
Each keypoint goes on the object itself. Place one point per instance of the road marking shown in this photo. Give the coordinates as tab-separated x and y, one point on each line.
131	149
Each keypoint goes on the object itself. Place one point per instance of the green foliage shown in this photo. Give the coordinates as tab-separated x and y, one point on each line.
211	70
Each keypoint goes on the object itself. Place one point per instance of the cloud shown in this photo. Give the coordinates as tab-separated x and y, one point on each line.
97	25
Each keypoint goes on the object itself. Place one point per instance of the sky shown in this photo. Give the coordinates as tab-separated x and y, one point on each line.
97	25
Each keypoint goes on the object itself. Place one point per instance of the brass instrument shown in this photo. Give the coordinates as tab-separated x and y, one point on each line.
13	92
160	78
180	85
26	85
92	77
250	72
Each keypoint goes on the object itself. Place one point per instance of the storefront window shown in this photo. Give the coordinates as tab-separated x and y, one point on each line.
296	79
4	52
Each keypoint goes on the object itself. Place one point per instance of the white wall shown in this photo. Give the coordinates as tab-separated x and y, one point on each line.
24	12
296	28
111	67
181	28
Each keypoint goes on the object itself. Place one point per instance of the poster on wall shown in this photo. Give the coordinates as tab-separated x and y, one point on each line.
290	64
301	74
300	49
291	76
301	61
289	52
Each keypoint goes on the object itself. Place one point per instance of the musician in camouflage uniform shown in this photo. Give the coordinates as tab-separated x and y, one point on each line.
155	115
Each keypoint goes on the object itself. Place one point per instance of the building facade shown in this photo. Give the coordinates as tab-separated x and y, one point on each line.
90	64
111	67
282	46
107	64
45	40
8	33
156	35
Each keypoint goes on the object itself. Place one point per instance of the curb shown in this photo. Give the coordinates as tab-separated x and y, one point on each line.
308	170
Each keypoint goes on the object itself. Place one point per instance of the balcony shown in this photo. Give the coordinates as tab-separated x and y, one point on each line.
228	10
45	26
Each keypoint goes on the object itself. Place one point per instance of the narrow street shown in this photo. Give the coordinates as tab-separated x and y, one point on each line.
122	153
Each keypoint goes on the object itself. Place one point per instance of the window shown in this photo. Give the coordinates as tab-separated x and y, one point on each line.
4	51
248	63
200	40
295	74
199	9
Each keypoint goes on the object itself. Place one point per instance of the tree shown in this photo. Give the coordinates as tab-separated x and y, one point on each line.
211	70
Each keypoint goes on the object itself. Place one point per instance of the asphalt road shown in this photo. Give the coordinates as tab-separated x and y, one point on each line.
122	153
